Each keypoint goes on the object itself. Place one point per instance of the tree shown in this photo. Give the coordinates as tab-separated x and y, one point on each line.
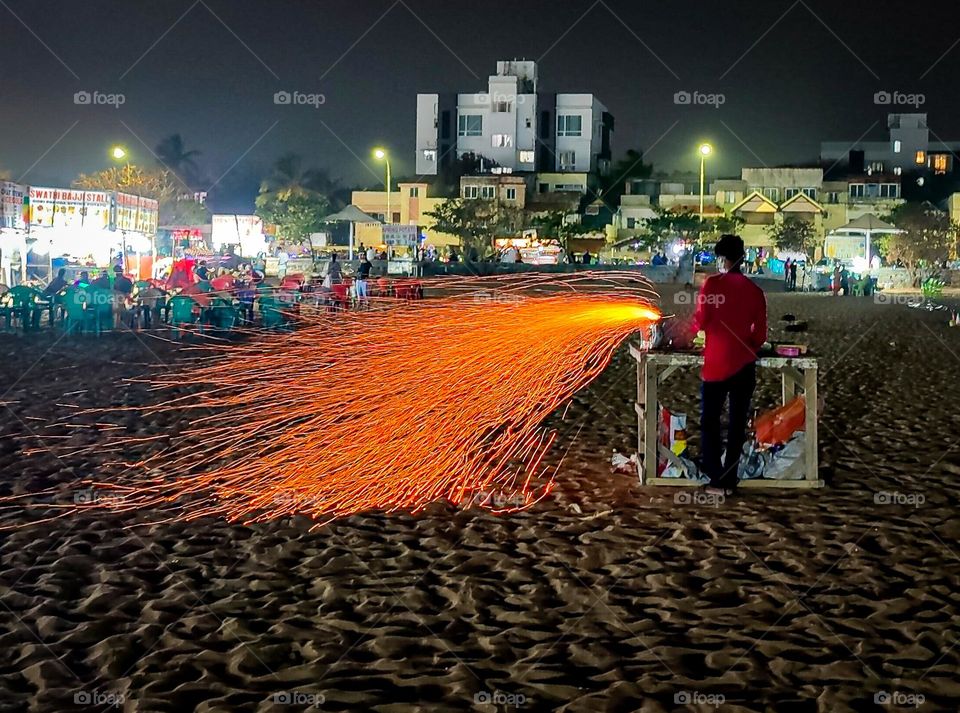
926	238
176	207
296	215
686	225
447	182
556	226
290	178
477	221
630	167
172	155
794	234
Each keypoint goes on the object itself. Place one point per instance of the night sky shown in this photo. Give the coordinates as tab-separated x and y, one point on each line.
792	74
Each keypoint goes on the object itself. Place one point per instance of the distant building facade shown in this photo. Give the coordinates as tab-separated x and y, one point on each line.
512	126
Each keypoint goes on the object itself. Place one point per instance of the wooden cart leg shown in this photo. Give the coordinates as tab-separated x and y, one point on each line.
650	417
811	436
787	391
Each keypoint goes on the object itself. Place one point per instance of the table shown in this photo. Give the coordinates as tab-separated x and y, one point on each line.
799	374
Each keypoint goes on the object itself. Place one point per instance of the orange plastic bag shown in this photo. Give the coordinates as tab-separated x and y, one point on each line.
777	426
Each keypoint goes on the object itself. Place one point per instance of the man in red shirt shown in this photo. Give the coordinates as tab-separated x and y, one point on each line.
732	311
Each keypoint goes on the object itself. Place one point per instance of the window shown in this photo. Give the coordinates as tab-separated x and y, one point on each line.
810	193
471	191
502	140
430	155
939	163
503	107
889	190
789	193
875	167
772	193
487	192
833	197
921	158
729	197
857	190
567	160
897	171
415	192
631	223
470	125
529	123
526	156
511	194
569	125
897	145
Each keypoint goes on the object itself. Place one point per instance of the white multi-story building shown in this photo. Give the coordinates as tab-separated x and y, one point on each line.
908	148
511	127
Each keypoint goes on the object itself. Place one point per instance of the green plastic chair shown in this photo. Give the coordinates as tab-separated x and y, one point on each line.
22	302
75	309
100	306
271	311
223	315
181	313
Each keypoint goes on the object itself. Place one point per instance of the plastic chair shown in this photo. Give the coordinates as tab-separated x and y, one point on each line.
21	302
271	311
223	315
339	295
76	315
183	310
100	305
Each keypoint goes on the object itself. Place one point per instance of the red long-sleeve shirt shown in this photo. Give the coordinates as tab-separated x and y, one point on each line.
732	311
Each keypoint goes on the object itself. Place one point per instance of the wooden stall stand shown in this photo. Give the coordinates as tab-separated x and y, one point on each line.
799	374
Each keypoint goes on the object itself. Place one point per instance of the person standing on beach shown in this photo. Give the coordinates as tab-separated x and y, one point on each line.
363	277
732	312
334	271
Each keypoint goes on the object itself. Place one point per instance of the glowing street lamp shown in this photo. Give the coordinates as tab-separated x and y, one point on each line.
381	155
704	150
118	153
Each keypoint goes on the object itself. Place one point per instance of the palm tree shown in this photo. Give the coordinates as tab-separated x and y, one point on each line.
289	178
172	155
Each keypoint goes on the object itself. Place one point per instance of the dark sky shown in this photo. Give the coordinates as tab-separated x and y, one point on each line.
792	73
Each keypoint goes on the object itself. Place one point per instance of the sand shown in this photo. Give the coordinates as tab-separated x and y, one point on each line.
604	597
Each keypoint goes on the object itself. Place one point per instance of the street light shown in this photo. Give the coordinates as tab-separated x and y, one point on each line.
381	155
705	150
118	153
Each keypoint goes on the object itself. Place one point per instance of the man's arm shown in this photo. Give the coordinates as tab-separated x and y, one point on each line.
701	317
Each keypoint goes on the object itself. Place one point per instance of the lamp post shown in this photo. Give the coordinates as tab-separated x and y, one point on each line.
119	153
381	155
704	150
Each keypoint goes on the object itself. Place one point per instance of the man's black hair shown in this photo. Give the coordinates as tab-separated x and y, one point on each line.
731	247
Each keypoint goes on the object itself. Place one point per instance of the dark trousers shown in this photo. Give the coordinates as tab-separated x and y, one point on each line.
714	394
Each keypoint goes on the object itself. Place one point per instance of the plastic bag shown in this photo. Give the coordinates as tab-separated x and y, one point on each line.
778	426
673	435
782	460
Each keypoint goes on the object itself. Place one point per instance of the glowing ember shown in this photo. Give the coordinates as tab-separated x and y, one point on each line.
393	408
